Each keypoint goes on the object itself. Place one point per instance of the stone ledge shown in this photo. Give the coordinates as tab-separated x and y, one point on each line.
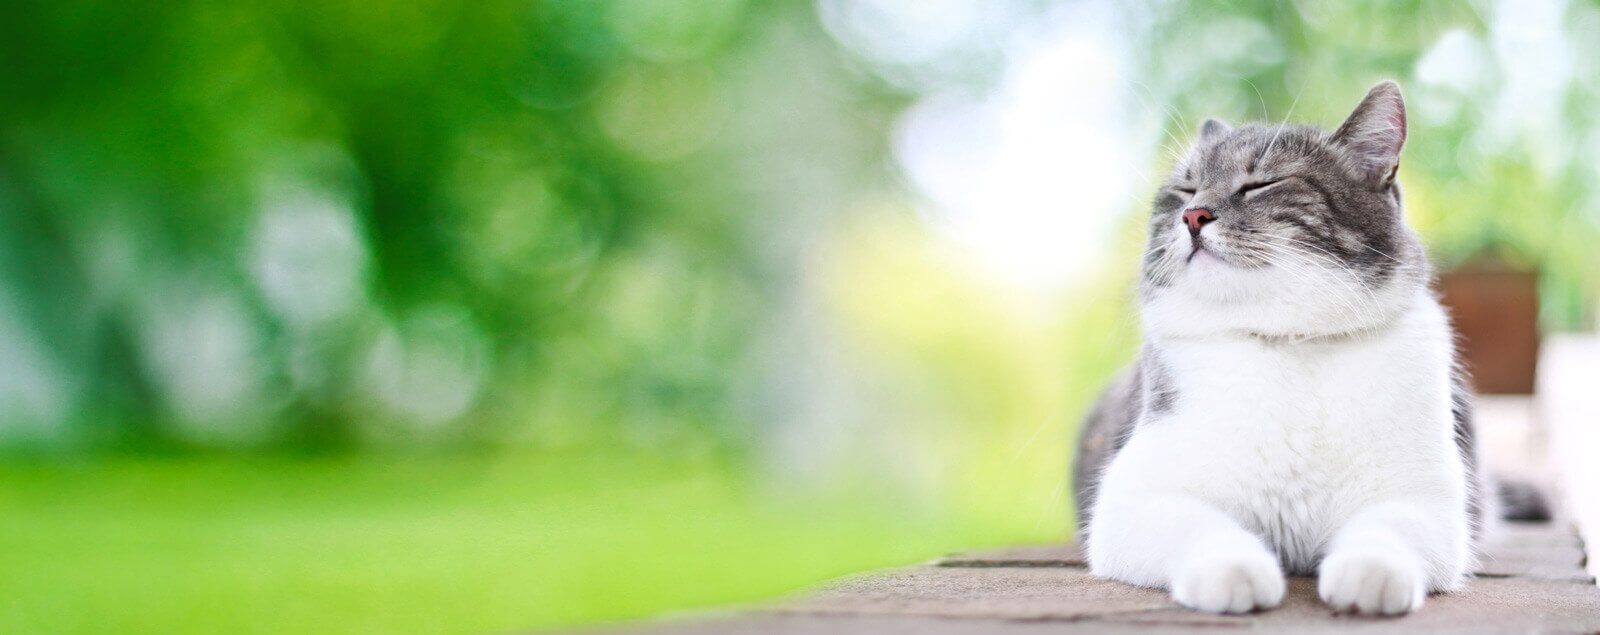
1078	601
1531	581
1545	551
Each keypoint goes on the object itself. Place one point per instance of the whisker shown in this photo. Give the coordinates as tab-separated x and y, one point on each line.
1314	258
1281	124
1259	98
1363	295
1355	305
1374	249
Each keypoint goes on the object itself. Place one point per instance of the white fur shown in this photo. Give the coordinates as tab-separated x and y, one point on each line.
1311	433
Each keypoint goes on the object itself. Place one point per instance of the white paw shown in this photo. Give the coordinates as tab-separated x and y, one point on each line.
1229	583
1371	582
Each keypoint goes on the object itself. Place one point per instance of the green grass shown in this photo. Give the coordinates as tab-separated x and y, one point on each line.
464	544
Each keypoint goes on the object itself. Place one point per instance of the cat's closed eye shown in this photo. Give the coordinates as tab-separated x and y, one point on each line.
1256	186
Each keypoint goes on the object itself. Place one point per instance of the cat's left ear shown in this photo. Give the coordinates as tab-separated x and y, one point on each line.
1213	128
1374	133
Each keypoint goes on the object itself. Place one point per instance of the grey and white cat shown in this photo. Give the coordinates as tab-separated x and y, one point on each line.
1296	406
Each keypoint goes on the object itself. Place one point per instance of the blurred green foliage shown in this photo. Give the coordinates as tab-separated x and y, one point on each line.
246	224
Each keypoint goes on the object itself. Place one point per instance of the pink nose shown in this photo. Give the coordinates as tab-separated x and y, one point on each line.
1197	218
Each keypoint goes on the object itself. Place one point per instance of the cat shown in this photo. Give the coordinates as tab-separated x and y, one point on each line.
1296	407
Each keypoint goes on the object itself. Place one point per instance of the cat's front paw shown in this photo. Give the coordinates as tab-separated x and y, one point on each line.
1371	582
1229	583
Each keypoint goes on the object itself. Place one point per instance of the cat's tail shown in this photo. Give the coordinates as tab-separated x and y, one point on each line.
1521	501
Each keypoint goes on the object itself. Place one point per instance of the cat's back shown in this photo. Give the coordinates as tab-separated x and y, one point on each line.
1103	432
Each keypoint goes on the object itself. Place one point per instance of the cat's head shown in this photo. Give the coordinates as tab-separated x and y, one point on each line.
1285	230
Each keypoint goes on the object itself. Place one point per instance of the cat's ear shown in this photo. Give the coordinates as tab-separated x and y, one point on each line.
1374	133
1212	129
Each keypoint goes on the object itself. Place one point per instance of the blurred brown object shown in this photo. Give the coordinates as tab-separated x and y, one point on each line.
1495	310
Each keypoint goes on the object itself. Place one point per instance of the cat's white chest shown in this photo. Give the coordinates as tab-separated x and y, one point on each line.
1291	438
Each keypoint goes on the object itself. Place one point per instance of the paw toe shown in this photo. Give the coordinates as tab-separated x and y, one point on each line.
1371	583
1236	585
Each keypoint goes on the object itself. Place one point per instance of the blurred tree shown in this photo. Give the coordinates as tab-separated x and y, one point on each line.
323	223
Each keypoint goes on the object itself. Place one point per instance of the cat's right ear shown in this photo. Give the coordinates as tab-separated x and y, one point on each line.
1375	132
1213	129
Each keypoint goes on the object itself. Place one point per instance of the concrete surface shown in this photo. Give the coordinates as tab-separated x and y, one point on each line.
1531	580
